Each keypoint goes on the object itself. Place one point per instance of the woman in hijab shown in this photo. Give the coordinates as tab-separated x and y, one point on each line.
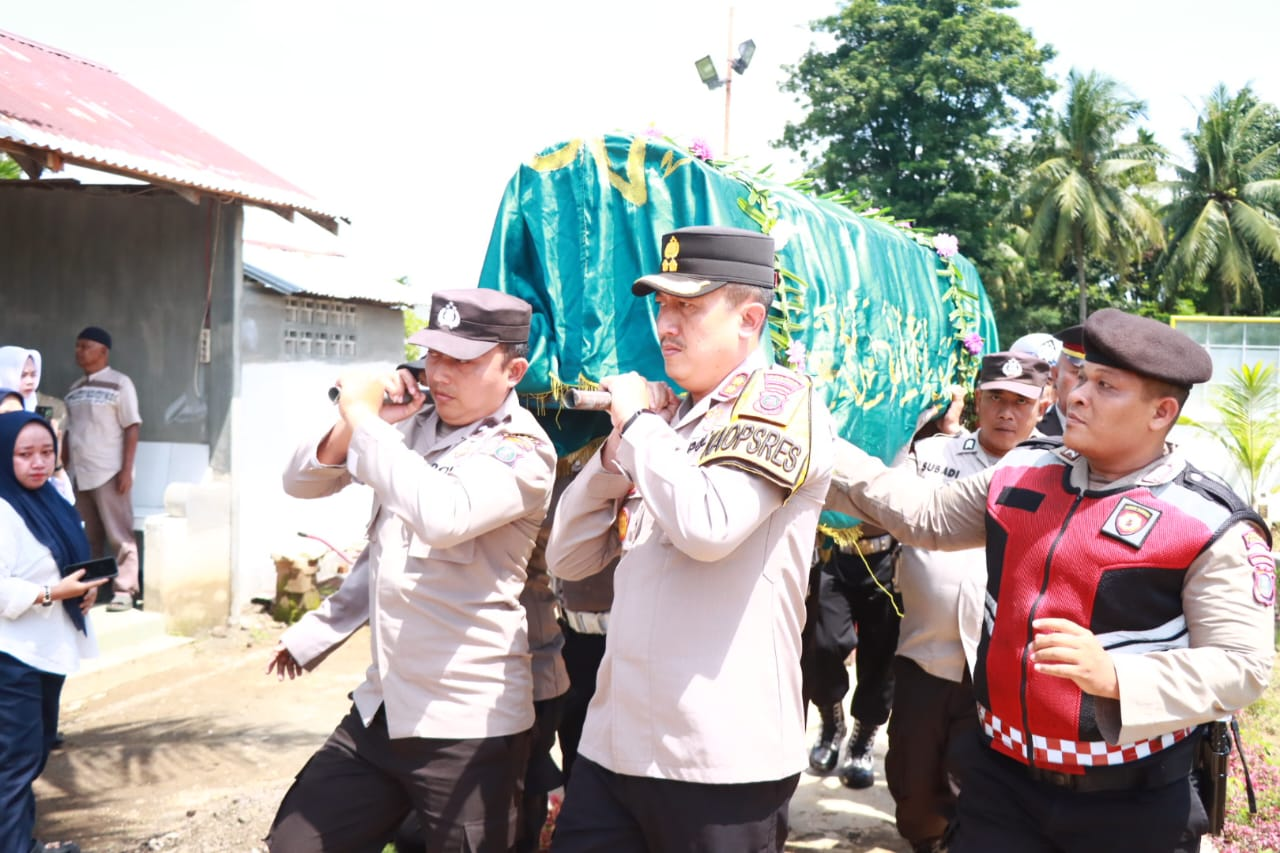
43	631
20	370
10	401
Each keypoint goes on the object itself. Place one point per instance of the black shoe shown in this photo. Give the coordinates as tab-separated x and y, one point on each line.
858	768
826	750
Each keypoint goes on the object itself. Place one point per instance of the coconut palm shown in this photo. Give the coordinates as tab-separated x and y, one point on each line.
1225	212
1082	198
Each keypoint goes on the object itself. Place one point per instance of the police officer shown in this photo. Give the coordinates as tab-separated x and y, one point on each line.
932	730
695	737
1066	370
1129	601
461	482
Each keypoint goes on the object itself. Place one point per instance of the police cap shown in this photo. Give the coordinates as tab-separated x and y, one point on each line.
468	323
1014	371
1144	346
701	258
1072	339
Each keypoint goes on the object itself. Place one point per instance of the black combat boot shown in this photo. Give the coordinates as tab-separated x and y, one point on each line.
858	768
826	750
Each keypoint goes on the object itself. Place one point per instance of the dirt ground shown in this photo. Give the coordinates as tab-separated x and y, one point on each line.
191	749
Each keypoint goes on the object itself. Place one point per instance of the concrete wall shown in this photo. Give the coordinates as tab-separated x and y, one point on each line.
281	404
135	261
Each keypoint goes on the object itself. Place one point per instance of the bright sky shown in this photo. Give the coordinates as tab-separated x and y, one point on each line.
410	117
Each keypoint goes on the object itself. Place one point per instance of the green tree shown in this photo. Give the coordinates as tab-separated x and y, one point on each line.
1083	195
1248	406
919	107
1224	218
9	170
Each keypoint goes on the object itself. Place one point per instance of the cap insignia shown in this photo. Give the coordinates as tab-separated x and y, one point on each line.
669	254
1011	368
448	318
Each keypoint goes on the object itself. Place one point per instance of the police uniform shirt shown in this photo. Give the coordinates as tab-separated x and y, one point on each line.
939	586
700	680
453	525
1230	622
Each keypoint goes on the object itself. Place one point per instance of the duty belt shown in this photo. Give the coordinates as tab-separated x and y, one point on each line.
586	622
870	545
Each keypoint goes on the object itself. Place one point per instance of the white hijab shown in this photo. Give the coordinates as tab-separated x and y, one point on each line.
12	362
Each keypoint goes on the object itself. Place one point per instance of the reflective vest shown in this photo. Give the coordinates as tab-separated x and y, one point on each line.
1111	560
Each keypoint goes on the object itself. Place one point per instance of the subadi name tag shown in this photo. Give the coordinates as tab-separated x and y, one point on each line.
769	429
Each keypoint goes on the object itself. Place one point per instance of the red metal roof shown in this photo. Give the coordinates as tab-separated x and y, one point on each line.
56	108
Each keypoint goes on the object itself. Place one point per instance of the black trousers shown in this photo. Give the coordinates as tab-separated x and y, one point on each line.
28	722
933	735
582	654
846	609
1002	810
354	793
606	812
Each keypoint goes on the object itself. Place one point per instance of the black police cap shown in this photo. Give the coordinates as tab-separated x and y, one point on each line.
701	258
468	323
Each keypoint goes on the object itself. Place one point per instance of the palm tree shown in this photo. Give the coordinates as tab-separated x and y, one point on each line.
1082	197
1225	212
1247	407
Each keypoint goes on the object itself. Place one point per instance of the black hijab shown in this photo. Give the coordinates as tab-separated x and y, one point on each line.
51	520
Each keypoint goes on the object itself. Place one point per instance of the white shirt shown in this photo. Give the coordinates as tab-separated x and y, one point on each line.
100	407
41	637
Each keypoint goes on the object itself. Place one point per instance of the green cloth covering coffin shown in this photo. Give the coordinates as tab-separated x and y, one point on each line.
869	300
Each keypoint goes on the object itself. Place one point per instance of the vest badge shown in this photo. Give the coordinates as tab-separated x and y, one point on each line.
1131	523
769	429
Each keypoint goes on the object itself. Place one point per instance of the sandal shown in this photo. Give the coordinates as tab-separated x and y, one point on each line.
54	847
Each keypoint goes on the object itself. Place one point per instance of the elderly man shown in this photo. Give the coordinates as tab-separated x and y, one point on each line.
695	736
1129	601
933	725
101	442
441	724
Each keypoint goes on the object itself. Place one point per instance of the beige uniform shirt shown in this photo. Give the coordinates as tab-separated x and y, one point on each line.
454	520
1227	663
700	680
939	586
100	407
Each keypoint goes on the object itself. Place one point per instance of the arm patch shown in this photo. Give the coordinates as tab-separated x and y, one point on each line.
769	431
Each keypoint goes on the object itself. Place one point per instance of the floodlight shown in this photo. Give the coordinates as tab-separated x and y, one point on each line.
707	71
746	50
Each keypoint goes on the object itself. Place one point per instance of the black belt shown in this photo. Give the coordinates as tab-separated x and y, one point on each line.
1155	771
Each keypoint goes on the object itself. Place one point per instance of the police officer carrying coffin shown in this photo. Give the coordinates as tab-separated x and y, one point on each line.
1129	602
695	736
461	483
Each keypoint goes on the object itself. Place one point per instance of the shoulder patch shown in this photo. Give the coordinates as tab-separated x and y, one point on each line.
769	429
1258	552
513	447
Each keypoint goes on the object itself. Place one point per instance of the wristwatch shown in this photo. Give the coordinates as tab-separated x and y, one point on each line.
47	599
632	419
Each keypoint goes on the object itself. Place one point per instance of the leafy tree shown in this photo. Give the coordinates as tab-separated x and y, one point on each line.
1225	214
9	170
919	107
1082	197
1250	431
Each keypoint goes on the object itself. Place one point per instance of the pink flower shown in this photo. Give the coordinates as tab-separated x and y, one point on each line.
700	148
796	355
973	343
946	245
652	132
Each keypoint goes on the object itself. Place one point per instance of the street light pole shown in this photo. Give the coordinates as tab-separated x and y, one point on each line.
728	82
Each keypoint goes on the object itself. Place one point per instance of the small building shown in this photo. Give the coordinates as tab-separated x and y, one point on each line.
226	356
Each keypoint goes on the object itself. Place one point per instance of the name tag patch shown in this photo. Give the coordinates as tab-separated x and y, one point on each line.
1131	523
